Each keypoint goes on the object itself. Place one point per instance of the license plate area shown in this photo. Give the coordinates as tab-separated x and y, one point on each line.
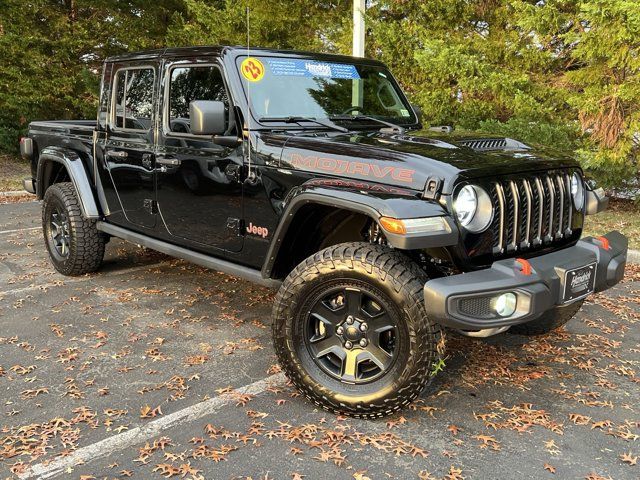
579	282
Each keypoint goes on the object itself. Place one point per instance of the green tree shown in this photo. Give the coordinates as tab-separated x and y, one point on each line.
51	53
305	25
605	86
562	73
469	64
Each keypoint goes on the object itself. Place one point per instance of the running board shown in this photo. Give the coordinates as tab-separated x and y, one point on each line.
201	259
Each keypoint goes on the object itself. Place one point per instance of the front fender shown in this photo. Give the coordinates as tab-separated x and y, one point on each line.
77	172
373	200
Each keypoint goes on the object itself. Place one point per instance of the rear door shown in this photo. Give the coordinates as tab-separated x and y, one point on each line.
130	142
199	188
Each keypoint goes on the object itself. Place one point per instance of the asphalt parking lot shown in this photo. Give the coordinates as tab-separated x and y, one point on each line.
154	367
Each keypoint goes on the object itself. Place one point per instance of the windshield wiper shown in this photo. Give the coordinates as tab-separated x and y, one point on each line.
324	123
393	126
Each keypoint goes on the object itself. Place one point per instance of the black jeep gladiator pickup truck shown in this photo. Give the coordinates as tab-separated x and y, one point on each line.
312	174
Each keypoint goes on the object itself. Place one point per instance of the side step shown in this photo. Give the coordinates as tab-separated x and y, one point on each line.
201	259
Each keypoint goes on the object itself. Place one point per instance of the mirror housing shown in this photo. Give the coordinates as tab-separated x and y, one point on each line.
207	117
596	202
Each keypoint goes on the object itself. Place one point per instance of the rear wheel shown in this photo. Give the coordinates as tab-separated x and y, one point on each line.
549	321
74	243
351	332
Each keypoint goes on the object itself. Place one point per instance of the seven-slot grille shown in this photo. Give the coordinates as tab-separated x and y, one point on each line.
531	211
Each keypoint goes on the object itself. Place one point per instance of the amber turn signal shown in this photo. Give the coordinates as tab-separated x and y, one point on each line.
393	225
411	226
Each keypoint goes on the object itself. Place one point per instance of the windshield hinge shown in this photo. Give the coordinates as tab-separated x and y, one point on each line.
432	188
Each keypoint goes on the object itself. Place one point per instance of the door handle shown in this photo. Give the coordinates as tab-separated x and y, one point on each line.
169	162
117	154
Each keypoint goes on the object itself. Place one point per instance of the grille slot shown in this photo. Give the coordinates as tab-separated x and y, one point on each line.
531	211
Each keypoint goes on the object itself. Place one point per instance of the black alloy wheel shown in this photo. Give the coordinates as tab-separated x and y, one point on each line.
59	232
351	331
74	243
351	335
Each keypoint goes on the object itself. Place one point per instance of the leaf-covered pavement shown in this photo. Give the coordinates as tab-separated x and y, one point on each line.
149	341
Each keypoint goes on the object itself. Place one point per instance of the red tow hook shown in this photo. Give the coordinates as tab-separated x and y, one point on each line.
604	242
525	266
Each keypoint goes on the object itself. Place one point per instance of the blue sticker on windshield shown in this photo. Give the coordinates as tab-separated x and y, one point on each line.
311	68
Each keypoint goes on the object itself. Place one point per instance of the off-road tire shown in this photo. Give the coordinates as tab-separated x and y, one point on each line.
398	279
549	321
86	243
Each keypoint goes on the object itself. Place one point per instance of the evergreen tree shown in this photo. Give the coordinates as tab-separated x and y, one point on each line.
561	73
51	53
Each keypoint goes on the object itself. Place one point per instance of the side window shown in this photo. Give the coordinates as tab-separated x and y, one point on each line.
189	84
134	99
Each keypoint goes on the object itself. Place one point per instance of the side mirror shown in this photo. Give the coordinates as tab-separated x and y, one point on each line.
418	111
207	117
597	201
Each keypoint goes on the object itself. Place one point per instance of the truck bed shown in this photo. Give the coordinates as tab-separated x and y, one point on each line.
76	135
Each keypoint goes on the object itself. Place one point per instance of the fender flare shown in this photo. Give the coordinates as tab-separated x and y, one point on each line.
77	172
375	205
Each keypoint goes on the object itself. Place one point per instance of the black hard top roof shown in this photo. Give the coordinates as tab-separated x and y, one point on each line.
218	50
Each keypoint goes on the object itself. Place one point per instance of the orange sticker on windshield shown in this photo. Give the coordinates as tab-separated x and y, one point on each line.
252	69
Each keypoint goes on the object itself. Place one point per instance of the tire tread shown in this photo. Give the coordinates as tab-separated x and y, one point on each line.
384	265
86	251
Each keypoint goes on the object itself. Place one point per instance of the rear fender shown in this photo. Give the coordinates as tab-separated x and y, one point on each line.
72	163
372	200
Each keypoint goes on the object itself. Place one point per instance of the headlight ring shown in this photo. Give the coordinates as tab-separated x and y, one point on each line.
474	208
577	191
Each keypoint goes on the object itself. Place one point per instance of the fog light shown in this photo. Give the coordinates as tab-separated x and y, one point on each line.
505	304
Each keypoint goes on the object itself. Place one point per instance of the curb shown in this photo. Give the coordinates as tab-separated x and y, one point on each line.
14	193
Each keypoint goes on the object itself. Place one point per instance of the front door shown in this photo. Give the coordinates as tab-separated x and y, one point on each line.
129	145
199	189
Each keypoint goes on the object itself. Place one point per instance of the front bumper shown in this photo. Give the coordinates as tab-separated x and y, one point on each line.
462	301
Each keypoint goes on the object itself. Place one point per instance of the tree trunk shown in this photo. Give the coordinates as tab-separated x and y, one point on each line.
73	12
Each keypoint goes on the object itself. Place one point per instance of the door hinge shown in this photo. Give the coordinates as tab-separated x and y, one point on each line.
236	225
150	206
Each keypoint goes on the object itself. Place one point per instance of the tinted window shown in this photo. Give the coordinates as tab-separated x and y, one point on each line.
189	84
134	99
283	87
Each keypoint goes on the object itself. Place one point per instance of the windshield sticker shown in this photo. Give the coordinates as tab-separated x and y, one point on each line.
311	68
252	69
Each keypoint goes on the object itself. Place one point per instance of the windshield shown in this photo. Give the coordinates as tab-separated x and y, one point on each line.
286	87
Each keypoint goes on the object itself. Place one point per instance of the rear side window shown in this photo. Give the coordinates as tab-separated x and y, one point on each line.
189	84
133	102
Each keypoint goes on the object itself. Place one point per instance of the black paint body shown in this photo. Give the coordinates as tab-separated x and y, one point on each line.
206	202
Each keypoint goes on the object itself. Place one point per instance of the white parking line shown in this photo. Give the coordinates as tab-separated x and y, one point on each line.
20	230
139	435
68	281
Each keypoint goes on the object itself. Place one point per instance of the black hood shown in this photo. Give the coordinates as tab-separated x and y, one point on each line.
409	159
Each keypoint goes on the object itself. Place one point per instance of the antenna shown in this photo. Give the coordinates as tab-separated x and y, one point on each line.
250	173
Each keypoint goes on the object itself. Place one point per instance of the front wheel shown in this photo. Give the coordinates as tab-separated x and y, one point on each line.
351	332
74	243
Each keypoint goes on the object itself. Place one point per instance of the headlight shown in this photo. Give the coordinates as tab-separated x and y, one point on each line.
473	208
577	191
466	205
